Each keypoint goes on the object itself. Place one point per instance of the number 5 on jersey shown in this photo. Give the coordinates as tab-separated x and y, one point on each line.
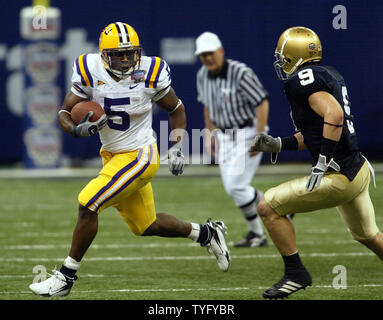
119	120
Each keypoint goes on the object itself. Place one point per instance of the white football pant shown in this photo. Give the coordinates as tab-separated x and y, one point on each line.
236	166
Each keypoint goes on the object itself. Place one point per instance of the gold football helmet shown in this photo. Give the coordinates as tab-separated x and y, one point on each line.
120	49
295	47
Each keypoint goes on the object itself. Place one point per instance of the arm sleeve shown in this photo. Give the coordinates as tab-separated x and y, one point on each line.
252	88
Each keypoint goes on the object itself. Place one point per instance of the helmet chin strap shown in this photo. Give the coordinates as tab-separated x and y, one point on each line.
296	66
121	75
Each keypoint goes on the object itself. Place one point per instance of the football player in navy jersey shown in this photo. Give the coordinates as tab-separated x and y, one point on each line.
340	175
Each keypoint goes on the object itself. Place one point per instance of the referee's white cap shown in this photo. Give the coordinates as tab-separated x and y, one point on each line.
207	42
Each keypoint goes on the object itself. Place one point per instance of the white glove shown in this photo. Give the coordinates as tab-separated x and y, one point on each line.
319	170
176	159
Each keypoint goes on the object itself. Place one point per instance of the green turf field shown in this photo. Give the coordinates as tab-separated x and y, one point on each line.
38	216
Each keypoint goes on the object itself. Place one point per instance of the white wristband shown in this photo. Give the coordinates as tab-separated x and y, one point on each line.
177	106
66	111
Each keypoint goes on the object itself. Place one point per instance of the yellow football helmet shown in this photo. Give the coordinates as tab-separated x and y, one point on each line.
120	49
295	47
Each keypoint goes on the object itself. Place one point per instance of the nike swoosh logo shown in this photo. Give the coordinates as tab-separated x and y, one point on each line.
132	87
52	292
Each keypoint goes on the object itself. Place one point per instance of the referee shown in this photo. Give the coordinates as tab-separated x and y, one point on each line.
236	107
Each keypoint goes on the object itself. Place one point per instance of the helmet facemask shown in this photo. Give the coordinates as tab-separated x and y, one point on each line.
122	62
279	63
283	66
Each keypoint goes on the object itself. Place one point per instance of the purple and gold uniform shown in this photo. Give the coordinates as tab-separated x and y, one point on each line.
129	151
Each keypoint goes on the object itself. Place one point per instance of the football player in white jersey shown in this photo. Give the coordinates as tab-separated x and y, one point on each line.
125	84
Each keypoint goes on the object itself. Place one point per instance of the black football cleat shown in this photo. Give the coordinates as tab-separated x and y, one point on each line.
288	285
252	240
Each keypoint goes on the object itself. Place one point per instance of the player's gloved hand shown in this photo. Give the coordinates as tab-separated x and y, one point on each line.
266	143
176	159
87	128
319	170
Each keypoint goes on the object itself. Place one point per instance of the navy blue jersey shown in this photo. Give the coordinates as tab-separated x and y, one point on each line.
298	88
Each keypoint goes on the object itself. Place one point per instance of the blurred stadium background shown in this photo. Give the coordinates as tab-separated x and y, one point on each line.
33	85
249	31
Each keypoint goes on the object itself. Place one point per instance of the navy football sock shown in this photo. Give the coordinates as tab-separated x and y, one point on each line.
205	235
293	264
70	273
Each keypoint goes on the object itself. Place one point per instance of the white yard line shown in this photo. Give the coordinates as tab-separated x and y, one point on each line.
148	245
167	290
104	246
141	290
66	234
154	258
31	276
216	289
74	292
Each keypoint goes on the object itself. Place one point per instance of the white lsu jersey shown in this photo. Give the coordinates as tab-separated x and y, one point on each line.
127	103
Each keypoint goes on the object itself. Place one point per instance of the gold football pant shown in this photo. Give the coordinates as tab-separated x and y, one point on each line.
351	198
124	183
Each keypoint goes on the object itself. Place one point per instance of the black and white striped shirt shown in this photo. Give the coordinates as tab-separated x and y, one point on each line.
232	95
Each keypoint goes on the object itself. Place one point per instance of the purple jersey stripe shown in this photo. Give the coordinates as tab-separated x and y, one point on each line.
114	179
79	72
168	70
158	73
87	70
78	88
127	183
147	82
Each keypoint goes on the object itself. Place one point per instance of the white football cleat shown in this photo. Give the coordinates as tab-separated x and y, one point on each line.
217	244
57	285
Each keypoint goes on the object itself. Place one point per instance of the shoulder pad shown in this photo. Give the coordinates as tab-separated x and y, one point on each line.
154	71
82	67
306	81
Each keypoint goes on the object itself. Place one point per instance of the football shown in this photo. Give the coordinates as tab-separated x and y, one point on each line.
82	108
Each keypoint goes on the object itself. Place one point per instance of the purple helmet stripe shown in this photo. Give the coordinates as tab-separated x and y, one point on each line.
126	30
119	31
